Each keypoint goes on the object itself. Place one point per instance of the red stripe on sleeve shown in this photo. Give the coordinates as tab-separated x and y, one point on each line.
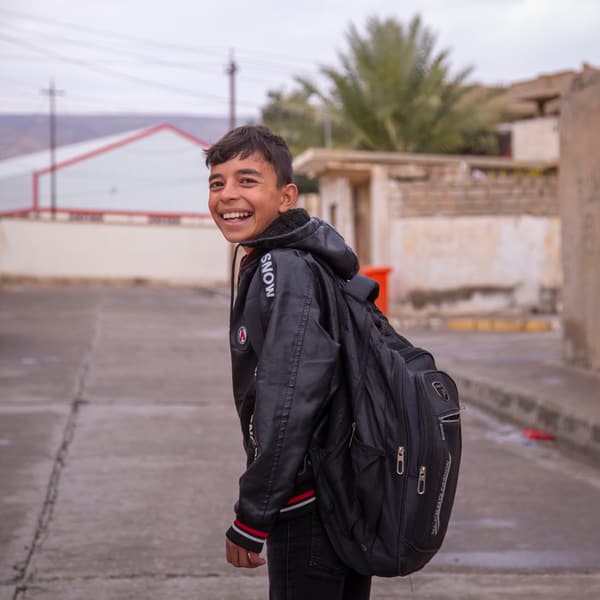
255	532
301	497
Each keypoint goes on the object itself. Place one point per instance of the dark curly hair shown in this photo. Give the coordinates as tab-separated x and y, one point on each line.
249	139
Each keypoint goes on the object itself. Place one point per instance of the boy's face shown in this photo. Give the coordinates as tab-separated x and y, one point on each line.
244	198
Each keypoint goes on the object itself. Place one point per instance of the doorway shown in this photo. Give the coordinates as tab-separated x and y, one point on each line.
361	208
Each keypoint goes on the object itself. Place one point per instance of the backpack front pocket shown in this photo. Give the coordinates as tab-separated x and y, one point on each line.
368	464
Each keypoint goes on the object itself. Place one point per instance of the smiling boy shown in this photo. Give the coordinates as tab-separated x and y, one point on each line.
285	363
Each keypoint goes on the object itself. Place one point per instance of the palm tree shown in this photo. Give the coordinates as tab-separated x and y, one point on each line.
295	118
395	92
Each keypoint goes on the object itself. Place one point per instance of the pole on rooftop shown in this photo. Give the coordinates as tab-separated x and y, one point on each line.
232	69
52	92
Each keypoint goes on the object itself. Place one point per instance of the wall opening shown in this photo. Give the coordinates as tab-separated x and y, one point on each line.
361	208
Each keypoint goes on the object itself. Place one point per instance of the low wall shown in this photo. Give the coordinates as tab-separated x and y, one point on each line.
475	246
495	197
462	264
184	254
463	234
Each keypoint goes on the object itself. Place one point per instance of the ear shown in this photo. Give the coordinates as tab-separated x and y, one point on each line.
289	195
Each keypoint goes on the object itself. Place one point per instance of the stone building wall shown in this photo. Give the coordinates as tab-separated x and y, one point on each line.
506	196
461	233
475	246
579	190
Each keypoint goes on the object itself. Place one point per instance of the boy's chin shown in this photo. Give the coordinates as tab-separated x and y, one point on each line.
240	236
235	237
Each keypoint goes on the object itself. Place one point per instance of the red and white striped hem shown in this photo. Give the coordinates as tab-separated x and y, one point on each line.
252	534
300	500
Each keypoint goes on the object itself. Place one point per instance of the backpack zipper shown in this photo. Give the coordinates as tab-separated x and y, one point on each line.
400	460
404	435
424	452
438	508
421	480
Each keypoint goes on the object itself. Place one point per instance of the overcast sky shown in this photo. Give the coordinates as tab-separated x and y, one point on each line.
170	56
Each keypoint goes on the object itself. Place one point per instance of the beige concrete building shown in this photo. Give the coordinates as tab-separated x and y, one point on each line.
462	234
535	139
534	134
580	211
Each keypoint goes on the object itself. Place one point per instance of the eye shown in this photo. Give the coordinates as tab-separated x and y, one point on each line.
247	181
215	185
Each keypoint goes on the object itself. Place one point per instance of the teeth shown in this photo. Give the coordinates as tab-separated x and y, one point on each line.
236	215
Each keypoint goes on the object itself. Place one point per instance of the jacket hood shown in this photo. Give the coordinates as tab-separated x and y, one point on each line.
296	229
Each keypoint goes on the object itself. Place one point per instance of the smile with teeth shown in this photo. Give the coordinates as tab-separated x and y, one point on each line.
230	216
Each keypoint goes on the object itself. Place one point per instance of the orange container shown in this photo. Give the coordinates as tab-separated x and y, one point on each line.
380	275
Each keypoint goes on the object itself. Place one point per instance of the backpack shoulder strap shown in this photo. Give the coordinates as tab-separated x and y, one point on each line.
362	288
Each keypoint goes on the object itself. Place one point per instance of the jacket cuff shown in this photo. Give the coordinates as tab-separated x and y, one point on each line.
247	537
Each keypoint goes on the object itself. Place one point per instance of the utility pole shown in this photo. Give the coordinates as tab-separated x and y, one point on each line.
52	92
232	69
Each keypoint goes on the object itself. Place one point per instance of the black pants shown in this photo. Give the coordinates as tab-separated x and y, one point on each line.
303	565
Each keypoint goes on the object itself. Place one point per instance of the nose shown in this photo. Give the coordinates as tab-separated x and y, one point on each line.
230	190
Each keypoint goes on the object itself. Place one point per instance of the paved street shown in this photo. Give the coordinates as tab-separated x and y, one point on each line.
120	452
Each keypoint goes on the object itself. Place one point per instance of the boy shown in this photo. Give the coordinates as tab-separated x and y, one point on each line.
285	363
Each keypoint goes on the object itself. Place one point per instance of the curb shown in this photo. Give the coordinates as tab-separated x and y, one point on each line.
508	325
531	411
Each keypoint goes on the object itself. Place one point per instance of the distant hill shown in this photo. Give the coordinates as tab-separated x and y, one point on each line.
22	134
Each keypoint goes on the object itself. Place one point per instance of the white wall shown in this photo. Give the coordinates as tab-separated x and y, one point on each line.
172	253
337	192
16	192
160	172
163	172
535	139
442	254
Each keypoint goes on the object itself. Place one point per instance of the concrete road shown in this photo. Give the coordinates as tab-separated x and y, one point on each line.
120	452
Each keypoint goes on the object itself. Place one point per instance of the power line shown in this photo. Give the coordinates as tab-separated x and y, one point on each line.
116	50
106	71
101	32
99	65
84	63
146	59
289	61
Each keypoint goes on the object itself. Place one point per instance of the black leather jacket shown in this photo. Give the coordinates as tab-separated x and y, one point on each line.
285	364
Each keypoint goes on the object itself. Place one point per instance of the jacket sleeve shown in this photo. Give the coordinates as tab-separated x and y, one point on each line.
293	382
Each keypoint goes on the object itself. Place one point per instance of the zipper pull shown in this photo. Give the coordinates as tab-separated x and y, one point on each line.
442	432
352	434
421	480
400	461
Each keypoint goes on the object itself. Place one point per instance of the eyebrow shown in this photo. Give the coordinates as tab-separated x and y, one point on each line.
238	173
248	172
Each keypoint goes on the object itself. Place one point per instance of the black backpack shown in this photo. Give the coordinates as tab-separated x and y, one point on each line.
386	458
